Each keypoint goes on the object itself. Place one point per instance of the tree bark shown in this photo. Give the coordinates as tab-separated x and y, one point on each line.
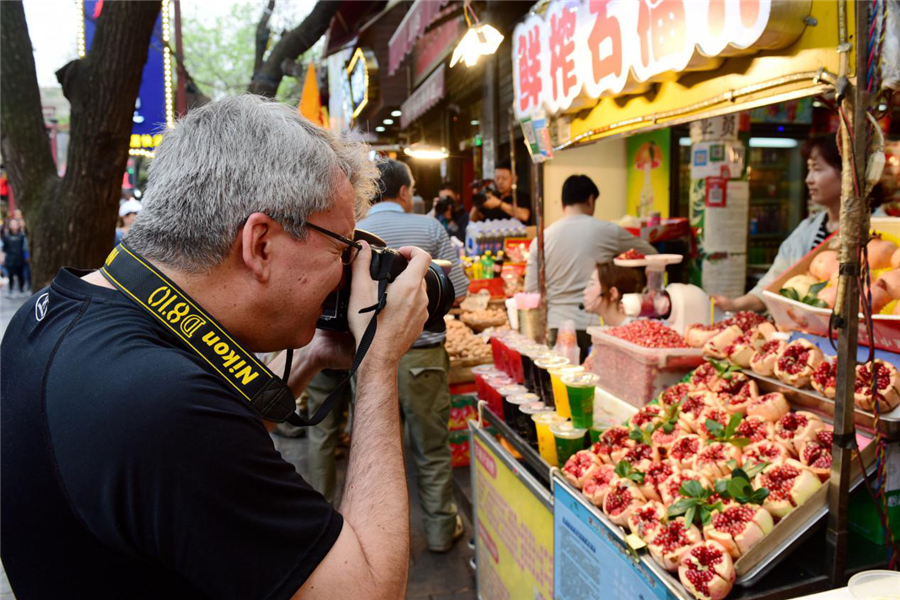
262	36
72	221
291	45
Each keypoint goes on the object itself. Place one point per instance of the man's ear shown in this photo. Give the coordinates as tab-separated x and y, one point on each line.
257	244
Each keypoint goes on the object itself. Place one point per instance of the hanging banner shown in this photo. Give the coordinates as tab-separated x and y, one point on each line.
582	50
649	161
153	109
513	525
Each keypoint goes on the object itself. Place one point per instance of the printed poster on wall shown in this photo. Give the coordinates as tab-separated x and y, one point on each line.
649	161
721	231
514	528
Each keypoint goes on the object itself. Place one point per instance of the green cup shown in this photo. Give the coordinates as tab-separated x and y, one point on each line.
569	440
580	389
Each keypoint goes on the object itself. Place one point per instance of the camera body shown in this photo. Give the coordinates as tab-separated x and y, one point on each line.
388	264
444	204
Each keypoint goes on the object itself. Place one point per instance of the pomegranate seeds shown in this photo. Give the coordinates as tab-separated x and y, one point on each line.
649	334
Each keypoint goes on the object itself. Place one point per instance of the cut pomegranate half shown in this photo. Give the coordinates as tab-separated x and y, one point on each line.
707	571
579	466
621	500
672	541
739	527
790	484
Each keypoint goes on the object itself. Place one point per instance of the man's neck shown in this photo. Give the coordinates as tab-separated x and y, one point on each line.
577	209
394	201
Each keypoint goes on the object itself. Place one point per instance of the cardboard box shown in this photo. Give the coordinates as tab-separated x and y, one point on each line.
793	315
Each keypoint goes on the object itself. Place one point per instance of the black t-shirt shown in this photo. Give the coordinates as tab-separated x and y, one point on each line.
129	471
497	213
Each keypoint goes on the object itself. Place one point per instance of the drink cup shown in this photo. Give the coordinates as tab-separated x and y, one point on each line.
526	422
510	411
513	360
481	373
569	440
528	354
545	439
542	365
580	390
497	348
560	397
494	399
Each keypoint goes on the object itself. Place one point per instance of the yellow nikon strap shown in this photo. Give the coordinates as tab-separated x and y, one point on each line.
159	296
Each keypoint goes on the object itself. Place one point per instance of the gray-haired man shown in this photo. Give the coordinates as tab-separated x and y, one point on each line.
153	478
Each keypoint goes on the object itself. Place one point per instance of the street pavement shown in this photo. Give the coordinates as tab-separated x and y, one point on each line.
431	576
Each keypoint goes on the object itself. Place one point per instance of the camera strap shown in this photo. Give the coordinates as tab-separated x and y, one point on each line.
198	331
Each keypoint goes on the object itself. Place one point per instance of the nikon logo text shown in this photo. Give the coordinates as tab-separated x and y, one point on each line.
230	359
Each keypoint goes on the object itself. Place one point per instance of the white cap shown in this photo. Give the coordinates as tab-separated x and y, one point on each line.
128	207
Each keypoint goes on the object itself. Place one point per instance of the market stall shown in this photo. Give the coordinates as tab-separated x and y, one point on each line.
696	454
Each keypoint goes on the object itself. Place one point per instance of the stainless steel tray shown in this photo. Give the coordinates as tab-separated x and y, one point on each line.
811	399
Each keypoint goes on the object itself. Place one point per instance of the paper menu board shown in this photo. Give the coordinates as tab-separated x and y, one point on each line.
725	227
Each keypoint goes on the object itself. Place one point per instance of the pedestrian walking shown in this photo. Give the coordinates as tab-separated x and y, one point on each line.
128	212
15	248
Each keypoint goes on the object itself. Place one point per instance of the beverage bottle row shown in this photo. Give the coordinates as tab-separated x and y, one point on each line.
488	236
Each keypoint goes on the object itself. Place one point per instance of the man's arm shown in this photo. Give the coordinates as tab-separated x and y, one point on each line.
521	213
627	241
370	558
531	271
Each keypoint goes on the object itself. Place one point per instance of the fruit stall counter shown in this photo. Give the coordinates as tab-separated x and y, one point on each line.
586	548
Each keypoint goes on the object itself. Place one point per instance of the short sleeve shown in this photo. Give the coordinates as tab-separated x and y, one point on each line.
189	479
446	251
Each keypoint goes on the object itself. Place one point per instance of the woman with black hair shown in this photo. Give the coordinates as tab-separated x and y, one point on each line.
823	179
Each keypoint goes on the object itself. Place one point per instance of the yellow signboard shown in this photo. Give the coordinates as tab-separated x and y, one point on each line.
514	527
807	67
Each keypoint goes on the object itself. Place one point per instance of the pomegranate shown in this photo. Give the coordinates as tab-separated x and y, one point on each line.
824	265
742	349
712	461
693	406
649	415
598	482
672	541
763	362
794	428
770	407
622	498
718	345
880	252
892	283
816	453
647	520
824	379
579	466
797	362
746	320
704	377
611	440
887	382
655	475
670	488
697	335
664	441
640	456
737	384
739	527
764	451
739	402
649	334
674	394
707	571
790	484
719	415
684	449
755	429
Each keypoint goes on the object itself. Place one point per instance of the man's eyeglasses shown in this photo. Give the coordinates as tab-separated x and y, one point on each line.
349	252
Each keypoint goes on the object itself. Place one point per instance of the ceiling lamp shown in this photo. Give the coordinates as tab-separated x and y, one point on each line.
421	151
396	113
480	40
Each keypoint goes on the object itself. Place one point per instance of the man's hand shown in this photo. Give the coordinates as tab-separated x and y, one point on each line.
492	201
331	350
723	302
403	318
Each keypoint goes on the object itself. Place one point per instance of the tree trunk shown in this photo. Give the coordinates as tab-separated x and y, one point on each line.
72	222
291	45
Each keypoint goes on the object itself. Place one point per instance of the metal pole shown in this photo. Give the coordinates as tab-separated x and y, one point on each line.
512	162
854	231
181	90
537	193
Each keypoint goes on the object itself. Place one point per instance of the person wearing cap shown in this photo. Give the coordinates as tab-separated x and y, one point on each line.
128	211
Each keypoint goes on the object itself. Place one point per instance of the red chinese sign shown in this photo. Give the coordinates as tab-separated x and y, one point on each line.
582	50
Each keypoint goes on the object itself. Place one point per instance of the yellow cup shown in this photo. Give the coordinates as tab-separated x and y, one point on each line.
545	438
560	395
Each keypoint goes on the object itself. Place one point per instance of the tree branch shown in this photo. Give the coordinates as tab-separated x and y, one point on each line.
291	45
26	147
262	36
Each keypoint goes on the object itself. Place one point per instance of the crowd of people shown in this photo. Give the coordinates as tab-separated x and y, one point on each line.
15	258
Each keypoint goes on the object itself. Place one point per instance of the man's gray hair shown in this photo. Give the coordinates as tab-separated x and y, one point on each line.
235	157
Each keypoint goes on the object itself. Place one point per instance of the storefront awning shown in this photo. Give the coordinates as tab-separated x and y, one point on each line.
421	14
426	96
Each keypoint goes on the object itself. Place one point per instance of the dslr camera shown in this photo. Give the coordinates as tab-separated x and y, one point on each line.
388	263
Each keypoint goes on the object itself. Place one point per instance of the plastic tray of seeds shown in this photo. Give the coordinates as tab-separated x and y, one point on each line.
809	399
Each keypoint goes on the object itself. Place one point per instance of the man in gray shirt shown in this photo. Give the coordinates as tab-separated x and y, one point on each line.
573	247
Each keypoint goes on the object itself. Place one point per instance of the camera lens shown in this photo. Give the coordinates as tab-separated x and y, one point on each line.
440	295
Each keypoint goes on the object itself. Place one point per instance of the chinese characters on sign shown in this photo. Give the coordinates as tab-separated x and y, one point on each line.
582	50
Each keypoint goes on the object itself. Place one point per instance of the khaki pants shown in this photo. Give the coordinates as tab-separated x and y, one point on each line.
423	379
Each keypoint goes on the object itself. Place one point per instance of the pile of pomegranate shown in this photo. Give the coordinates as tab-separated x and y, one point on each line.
649	334
636	483
631	254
